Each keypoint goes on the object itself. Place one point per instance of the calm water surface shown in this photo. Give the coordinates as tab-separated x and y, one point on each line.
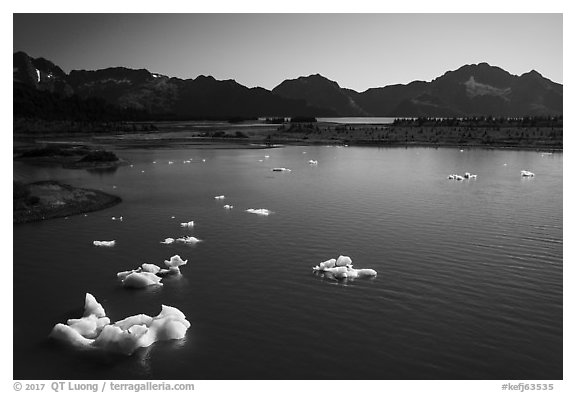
469	281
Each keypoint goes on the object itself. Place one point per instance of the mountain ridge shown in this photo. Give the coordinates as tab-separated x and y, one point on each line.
473	89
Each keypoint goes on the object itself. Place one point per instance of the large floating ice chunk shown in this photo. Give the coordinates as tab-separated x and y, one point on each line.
261	212
188	224
188	240
124	336
219	197
313	162
341	268
281	170
173	265
526	174
141	280
228	207
168	240
104	243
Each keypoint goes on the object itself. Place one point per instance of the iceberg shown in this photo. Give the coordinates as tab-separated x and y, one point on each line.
189	224
141	280
219	197
104	243
341	268
313	162
168	240
228	207
149	274
125	336
188	240
261	212
468	175
526	174
281	170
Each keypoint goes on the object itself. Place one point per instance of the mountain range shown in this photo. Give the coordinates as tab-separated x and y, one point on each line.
471	90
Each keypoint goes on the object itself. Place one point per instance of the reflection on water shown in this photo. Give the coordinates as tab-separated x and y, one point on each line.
469	281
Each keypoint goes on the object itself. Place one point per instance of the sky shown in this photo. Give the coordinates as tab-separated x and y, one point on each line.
358	51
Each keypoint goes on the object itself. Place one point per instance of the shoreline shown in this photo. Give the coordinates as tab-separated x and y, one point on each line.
262	136
50	199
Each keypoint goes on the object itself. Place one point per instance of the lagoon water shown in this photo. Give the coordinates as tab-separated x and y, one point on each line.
469	281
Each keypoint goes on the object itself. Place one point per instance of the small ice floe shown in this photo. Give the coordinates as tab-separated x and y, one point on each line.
219	197
228	207
303	152
94	330
140	280
313	162
186	162
455	177
168	240
173	217
173	265
149	274
188	240
281	170
141	277
142	171
114	187
153	162
104	243
341	268
188	224
526	174
131	166
468	175
461	150
261	212
266	156
203	160
260	160
170	162
65	218
119	218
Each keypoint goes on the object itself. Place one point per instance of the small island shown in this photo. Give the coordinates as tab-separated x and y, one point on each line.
72	157
50	199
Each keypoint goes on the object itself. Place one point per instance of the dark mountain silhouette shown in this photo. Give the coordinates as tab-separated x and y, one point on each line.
477	89
139	92
321	92
42	88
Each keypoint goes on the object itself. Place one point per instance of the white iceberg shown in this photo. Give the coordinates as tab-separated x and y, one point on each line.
468	175
188	240
175	261
228	207
188	224
261	212
173	265
313	162
104	243
219	197
281	169
168	240
341	268
526	174
455	177
125	336
141	280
